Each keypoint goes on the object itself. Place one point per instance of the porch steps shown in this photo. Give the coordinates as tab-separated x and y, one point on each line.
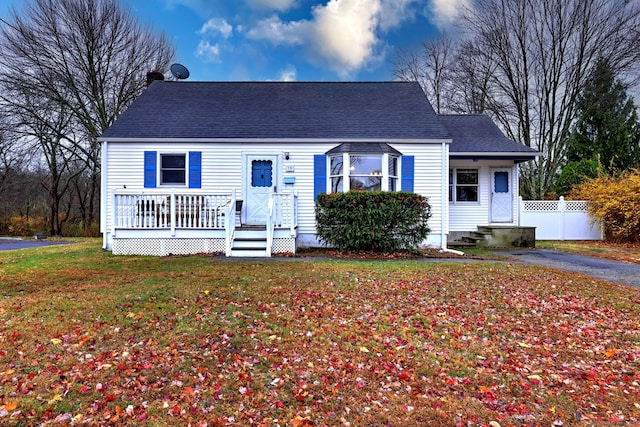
249	242
493	236
468	239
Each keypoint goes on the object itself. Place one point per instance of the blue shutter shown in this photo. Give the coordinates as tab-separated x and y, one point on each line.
407	173
150	159
319	175
195	169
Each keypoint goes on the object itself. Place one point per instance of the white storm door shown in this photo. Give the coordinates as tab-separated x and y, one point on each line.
501	196
261	180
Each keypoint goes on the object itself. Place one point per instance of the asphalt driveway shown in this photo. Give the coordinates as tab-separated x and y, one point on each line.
615	271
8	243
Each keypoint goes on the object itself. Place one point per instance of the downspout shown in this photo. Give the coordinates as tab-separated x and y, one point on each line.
445	203
103	194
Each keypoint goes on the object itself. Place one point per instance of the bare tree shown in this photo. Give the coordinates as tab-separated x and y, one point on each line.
90	56
431	69
543	51
525	62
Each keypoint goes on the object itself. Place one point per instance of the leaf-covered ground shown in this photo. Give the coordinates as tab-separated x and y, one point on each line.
89	338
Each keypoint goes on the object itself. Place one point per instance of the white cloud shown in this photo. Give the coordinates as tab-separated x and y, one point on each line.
208	52
288	75
280	5
217	26
278	32
342	34
345	33
394	12
443	13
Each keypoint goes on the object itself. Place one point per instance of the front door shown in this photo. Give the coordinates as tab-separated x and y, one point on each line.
261	180
501	196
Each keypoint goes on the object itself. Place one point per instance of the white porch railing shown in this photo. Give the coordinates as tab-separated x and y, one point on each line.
172	211
169	210
559	219
285	211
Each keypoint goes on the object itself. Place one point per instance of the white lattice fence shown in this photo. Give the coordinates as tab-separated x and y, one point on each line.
559	219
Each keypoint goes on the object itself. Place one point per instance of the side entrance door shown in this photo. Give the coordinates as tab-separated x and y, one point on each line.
501	195
261	180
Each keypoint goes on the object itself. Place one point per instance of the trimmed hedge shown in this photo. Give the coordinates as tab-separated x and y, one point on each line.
377	221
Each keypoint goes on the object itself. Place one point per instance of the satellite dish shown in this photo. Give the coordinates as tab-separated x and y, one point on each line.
179	71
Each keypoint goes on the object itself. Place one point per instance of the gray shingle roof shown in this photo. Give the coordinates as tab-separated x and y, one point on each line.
477	133
297	110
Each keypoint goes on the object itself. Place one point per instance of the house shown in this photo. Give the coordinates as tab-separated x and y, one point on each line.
235	167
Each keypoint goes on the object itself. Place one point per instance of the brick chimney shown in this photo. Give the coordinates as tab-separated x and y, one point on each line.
153	76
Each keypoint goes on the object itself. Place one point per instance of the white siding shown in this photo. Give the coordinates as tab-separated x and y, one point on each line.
222	169
428	182
466	216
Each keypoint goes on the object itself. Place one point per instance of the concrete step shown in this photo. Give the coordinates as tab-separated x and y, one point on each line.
249	243
248	253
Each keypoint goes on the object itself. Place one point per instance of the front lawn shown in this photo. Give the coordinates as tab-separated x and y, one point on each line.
90	338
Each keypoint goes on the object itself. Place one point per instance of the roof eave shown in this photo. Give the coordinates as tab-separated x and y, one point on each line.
485	155
276	140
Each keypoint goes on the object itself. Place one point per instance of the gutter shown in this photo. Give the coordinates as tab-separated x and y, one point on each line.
445	202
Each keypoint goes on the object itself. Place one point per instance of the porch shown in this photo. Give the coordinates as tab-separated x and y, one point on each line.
165	223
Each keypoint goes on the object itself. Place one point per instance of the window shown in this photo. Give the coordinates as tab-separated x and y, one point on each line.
173	169
463	185
336	171
261	173
364	166
366	172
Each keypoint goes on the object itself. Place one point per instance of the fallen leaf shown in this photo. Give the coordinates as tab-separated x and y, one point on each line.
299	421
11	406
55	399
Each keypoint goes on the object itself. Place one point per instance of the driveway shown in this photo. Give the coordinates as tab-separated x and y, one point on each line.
615	271
9	243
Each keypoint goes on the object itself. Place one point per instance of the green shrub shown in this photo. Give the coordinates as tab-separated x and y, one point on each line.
372	220
616	202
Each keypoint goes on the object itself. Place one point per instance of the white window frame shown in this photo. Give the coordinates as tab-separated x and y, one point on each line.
385	176
453	185
161	169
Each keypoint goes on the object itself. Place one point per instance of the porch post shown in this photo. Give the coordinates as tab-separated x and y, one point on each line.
172	214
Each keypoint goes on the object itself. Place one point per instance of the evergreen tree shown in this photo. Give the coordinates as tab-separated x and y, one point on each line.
607	127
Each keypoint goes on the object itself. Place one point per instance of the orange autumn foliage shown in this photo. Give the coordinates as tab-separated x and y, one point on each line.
616	202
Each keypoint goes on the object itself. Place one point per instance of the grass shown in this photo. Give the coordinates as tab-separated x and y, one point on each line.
88	337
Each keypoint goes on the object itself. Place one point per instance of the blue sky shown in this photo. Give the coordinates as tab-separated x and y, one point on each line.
296	40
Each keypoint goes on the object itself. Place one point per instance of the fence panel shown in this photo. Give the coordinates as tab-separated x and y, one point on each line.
559	219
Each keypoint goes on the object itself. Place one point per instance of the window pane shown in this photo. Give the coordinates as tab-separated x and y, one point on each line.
261	173
170	176
365	183
393	184
467	194
393	166
366	164
336	184
173	169
501	184
467	176
336	165
173	161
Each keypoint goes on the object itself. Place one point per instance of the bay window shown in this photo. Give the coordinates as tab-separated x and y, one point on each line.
365	172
